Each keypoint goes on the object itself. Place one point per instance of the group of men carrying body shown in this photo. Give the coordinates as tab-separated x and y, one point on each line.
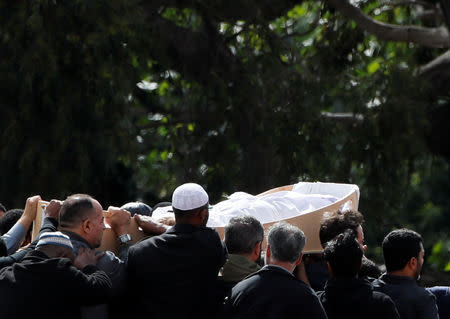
173	274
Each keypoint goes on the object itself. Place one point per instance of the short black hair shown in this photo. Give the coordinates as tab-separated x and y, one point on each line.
242	233
162	204
399	246
337	222
75	209
138	208
185	213
9	220
344	254
2	208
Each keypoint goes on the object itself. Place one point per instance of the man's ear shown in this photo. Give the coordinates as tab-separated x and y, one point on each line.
330	270
299	260
413	263
256	251
86	226
268	253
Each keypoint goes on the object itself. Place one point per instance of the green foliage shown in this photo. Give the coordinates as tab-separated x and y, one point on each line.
439	257
65	78
125	99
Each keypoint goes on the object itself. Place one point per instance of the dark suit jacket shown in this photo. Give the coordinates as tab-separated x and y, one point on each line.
51	288
354	298
412	301
173	275
273	292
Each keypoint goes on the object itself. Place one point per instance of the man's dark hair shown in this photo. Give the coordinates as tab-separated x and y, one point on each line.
2	208
181	214
399	246
75	209
344	254
369	269
242	234
138	208
162	204
9	220
337	222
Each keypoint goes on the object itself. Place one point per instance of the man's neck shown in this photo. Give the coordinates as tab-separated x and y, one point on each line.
76	232
283	264
71	230
401	272
248	256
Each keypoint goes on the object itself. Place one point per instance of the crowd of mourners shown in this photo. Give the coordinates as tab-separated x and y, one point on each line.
182	269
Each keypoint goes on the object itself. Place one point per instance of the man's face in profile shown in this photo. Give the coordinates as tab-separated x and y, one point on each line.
98	224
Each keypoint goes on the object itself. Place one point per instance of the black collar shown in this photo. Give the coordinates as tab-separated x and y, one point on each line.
75	236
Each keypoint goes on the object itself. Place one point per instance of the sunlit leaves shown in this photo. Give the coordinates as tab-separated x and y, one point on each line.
373	66
185	17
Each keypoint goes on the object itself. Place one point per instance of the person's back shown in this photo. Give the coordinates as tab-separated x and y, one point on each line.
46	284
273	291
173	275
412	301
403	255
346	295
355	298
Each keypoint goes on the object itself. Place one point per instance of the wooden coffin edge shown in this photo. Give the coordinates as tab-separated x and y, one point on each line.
309	223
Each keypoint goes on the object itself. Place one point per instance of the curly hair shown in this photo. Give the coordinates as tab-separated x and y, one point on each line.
337	222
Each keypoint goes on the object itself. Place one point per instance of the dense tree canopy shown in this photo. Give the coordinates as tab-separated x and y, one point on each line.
127	99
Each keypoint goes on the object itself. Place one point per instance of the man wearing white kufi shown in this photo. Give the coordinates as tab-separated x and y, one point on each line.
174	274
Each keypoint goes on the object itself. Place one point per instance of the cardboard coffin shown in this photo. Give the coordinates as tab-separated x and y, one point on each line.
309	222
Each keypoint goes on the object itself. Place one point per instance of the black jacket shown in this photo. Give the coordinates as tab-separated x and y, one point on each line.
41	283
412	301
355	298
273	293
3	248
173	275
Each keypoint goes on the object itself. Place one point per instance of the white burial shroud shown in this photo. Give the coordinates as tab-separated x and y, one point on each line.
302	199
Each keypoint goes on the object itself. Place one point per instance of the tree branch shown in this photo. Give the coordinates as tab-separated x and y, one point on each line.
433	14
429	37
438	71
343	117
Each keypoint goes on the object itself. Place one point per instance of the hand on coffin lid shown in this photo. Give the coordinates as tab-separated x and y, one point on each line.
119	220
150	225
53	209
29	213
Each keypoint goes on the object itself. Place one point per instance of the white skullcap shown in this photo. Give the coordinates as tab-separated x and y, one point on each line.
189	196
55	238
